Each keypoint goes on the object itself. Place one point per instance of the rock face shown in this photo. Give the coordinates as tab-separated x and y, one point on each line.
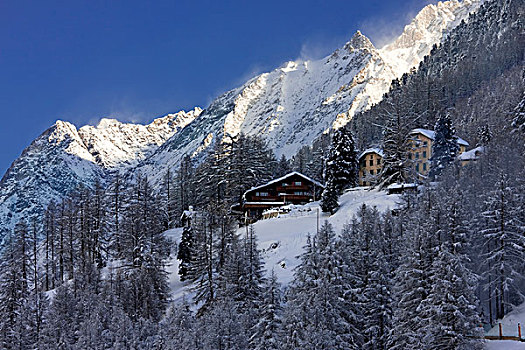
289	106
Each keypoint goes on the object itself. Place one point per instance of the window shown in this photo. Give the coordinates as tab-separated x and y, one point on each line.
285	184
261	194
424	166
417	167
371	171
371	162
378	161
300	193
425	143
417	155
297	183
424	154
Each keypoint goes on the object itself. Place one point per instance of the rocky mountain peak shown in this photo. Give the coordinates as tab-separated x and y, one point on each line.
359	42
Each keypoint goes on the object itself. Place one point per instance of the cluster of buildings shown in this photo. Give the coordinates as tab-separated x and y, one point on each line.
296	188
419	151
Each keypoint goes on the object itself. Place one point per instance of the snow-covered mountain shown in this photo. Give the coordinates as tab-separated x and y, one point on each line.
289	106
293	104
63	157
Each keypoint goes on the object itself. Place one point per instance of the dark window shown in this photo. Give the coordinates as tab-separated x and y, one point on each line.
371	162
378	161
424	166
371	171
424	154
417	155
417	167
425	143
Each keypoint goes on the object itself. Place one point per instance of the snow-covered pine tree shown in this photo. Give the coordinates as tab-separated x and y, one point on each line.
184	252
202	271
377	280
13	286
504	237
451	305
316	312
341	169
266	333
177	329
341	162
399	121
412	277
519	115
329	198
445	147
282	168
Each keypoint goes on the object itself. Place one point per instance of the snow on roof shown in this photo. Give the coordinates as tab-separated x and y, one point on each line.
431	135
264	203
397	186
377	150
284	178
473	154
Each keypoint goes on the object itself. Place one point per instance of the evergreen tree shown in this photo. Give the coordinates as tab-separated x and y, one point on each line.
450	307
505	241
445	147
341	163
316	316
399	121
184	253
266	332
282	168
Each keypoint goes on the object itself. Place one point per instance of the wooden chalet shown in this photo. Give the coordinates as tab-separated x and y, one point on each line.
293	188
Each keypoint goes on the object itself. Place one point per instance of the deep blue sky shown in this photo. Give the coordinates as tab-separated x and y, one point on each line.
136	60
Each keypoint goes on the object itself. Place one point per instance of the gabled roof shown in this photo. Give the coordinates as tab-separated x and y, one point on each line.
282	179
376	150
431	135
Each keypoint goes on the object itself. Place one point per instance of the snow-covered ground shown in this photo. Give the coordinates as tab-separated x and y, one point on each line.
281	239
509	326
504	345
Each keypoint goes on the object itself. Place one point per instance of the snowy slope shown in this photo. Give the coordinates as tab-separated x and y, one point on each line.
62	158
282	239
430	25
116	145
504	345
292	105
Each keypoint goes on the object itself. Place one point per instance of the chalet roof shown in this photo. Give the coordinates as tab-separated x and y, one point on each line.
282	179
473	154
377	150
431	135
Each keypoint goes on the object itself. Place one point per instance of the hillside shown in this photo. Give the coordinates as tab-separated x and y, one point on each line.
282	239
